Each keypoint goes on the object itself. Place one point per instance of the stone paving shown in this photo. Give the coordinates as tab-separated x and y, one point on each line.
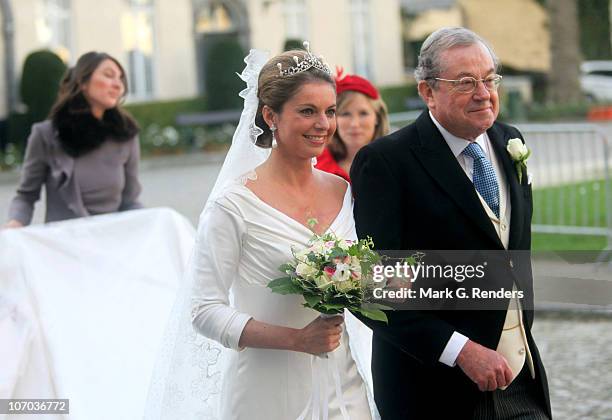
577	353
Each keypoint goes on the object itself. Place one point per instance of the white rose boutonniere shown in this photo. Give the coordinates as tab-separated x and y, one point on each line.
519	154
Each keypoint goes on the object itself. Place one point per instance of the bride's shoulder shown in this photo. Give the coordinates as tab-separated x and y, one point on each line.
334	184
232	197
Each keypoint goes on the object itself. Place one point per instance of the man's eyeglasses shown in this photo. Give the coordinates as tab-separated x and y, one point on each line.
468	84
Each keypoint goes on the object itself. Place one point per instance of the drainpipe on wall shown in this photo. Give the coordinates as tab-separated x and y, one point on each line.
8	35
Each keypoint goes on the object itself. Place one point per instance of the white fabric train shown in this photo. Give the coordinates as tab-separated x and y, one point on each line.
83	306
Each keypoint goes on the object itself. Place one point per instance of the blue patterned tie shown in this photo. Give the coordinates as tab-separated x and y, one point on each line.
485	180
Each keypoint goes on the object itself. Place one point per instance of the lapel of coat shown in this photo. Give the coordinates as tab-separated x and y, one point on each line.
62	168
517	223
440	163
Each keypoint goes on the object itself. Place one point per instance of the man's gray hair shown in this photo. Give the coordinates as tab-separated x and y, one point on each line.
429	65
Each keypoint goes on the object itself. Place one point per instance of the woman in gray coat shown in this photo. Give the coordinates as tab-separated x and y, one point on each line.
86	154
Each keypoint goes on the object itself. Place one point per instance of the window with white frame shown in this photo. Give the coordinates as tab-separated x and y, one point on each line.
54	27
296	19
139	43
361	37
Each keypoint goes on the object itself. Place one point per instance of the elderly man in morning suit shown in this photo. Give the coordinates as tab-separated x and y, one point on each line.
447	182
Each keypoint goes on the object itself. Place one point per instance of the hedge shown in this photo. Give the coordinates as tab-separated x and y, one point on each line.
224	59
398	97
163	113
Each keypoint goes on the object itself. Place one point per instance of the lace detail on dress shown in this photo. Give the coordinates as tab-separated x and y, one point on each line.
205	355
188	378
249	176
244	154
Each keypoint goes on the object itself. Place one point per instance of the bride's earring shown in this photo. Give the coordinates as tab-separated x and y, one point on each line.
274	142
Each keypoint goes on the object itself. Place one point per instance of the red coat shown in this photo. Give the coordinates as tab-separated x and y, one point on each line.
327	163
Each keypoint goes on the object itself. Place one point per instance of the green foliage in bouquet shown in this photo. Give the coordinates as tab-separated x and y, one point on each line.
332	274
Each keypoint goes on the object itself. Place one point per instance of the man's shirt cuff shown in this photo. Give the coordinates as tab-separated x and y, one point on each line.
453	348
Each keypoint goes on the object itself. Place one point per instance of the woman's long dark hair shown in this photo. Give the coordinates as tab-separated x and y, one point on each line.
79	132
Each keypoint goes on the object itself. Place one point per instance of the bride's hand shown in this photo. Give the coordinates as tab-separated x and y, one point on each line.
11	224
320	336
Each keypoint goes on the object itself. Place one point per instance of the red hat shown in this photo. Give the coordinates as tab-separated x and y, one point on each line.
345	82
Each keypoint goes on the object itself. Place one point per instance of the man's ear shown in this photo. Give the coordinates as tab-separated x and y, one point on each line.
426	92
269	116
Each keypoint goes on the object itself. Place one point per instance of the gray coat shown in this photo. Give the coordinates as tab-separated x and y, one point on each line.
104	180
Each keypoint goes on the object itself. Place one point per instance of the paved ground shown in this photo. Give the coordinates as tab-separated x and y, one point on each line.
575	348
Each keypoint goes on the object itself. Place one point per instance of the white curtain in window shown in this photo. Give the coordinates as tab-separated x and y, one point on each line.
54	27
296	19
139	42
361	37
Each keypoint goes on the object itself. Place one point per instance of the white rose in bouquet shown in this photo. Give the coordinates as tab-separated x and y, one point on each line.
306	270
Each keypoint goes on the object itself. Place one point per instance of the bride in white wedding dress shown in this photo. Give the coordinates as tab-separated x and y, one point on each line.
263	202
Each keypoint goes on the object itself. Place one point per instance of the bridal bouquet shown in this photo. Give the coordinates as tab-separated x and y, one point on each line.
332	274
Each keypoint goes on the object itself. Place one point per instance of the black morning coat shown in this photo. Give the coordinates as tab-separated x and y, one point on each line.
412	194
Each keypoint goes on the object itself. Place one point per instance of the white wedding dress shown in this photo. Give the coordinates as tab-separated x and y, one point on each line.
240	245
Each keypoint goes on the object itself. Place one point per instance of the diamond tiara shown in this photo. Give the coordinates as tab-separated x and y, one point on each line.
308	62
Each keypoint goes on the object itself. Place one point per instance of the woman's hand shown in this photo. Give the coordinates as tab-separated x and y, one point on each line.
11	224
320	336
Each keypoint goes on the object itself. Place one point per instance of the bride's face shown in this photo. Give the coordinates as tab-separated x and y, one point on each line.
307	121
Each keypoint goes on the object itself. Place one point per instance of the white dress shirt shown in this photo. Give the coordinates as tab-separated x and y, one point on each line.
457	145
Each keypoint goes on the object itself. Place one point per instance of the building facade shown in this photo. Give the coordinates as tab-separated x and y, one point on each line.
162	43
517	29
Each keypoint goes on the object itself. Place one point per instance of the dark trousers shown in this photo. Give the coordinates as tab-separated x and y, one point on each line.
522	400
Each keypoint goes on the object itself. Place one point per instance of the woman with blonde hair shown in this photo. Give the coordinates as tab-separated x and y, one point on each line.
362	117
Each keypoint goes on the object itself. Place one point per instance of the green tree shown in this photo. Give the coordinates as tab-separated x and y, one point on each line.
40	80
225	58
564	85
293	44
594	18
